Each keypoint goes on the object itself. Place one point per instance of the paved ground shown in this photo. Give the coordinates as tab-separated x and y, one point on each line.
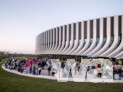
44	74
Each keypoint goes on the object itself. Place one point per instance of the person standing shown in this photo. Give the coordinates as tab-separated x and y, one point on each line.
70	73
39	70
53	72
49	68
34	70
30	69
120	73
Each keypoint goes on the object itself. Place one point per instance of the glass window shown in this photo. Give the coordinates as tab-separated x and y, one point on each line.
85	29
69	32
79	30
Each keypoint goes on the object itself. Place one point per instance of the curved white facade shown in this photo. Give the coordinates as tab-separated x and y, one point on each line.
102	37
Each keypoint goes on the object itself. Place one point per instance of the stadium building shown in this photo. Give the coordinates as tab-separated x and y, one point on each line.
101	37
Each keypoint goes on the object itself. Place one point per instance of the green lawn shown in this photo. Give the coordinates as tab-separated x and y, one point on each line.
10	82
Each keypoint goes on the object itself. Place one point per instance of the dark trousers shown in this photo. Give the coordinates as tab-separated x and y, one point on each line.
48	72
39	72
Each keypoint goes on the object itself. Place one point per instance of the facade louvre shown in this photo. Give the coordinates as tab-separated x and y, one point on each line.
102	37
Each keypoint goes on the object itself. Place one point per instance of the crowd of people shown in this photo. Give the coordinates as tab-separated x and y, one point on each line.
36	66
32	66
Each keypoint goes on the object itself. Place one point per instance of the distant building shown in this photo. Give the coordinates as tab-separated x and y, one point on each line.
1	52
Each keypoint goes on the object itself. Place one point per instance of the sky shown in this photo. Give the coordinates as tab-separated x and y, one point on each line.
22	20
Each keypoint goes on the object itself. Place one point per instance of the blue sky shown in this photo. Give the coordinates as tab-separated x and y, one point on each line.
22	20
